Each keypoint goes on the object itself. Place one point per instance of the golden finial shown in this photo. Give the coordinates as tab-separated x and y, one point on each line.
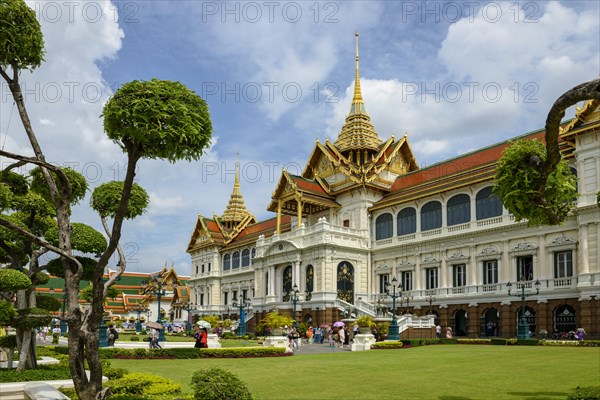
357	93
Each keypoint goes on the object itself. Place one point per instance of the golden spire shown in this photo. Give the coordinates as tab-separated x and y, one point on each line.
358	105
236	210
358	132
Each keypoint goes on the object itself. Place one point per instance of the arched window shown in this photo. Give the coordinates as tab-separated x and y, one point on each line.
245	258
287	283
487	204
431	216
253	253
384	227
235	260
564	319
310	281
226	262
345	282
458	209
407	221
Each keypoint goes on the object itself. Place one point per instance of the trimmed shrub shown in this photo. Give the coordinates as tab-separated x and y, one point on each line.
474	341
585	393
144	384
114	373
42	373
135	338
218	384
499	341
190	353
8	341
387	345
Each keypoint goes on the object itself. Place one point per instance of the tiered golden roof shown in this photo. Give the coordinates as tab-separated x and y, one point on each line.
358	132
236	210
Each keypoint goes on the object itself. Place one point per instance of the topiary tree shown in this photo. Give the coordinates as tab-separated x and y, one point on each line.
218	384
532	182
154	119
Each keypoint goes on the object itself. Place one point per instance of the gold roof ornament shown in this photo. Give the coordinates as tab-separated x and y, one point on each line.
358	132
236	210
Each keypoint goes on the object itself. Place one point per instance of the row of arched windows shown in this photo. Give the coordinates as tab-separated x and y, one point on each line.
232	261
458	211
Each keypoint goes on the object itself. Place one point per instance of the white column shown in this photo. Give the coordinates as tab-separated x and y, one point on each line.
296	276
418	278
584	267
443	271
271	282
472	267
543	272
505	267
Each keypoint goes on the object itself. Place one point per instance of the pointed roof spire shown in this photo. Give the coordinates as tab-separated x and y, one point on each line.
236	210
358	132
358	105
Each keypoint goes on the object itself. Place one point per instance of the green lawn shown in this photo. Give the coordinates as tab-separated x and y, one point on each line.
445	372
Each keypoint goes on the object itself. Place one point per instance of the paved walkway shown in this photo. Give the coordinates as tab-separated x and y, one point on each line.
304	348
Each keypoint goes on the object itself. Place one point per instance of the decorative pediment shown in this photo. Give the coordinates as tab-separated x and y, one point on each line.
405	264
488	251
383	267
200	236
431	259
561	241
524	246
457	256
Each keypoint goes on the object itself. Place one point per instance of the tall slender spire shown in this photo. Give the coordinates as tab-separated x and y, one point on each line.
358	105
358	132
236	210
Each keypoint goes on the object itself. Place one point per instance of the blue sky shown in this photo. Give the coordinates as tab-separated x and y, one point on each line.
454	76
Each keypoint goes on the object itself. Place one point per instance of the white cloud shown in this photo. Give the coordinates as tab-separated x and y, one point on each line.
167	205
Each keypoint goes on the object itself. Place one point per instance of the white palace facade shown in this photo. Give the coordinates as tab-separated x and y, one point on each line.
363	213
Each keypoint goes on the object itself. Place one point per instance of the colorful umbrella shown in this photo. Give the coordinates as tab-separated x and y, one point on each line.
339	323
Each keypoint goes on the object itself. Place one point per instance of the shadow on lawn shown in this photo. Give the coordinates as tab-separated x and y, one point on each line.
455	398
539	395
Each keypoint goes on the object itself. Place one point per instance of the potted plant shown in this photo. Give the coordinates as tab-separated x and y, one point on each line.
365	323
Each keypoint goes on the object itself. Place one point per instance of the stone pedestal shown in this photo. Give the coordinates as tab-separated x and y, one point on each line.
213	341
276	341
363	341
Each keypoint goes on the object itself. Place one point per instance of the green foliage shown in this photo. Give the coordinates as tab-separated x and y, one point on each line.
218	384
275	320
585	393
158	119
366	321
135	338
21	37
212	319
12	280
106	199
33	204
47	302
189	353
41	373
144	384
29	318
7	312
517	175
17	183
8	341
87	292
78	183
387	345
114	373
55	267
41	278
6	197
498	341
84	238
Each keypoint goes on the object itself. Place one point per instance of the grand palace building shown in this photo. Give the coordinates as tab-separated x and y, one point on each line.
363	214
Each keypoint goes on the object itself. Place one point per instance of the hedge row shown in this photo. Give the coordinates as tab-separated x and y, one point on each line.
42	373
192	353
495	341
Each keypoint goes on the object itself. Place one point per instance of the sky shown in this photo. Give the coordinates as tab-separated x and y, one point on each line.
277	76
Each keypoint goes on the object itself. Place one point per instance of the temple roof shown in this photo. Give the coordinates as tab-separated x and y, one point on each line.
236	210
358	132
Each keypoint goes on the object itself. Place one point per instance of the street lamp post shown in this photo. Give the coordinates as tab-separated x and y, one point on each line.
138	308
430	300
188	307
156	286
242	304
394	333
295	297
523	326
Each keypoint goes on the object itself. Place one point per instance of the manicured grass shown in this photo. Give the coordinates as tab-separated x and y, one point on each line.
446	372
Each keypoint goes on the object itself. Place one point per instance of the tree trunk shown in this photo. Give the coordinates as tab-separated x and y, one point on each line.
24	351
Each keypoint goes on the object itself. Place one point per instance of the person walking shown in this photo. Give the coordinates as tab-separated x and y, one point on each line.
342	336
113	335
438	331
56	334
154	339
204	339
198	337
